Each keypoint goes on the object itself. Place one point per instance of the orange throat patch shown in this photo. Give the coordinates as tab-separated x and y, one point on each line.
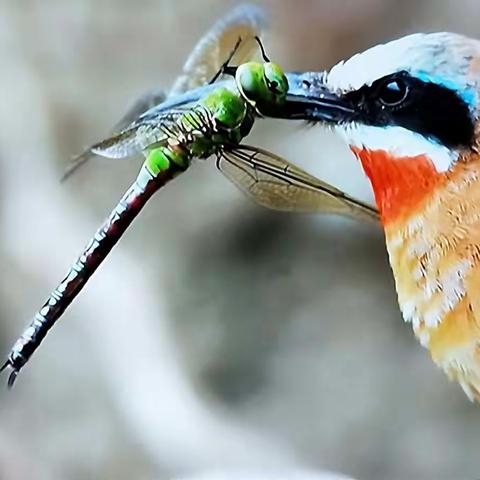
432	232
400	184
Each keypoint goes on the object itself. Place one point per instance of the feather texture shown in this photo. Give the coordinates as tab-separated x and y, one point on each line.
432	230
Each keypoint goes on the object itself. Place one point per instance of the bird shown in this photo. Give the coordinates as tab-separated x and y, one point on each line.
409	110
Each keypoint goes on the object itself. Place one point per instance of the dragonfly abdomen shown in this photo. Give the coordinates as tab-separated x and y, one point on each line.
97	249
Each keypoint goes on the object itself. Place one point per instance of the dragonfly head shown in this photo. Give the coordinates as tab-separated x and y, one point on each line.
263	85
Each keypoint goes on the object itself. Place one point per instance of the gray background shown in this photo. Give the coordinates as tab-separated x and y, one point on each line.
217	334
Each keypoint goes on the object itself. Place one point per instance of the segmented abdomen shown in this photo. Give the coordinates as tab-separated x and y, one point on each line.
87	262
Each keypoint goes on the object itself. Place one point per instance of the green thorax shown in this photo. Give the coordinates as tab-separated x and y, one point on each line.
220	119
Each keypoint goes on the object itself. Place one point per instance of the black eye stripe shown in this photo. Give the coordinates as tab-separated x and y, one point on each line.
432	110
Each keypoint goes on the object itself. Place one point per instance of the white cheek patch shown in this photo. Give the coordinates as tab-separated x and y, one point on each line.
399	142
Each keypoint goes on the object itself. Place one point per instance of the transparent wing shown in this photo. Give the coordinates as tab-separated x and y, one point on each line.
139	106
135	132
208	56
277	184
245	22
134	139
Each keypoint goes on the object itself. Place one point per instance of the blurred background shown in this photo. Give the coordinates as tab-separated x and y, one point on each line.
218	334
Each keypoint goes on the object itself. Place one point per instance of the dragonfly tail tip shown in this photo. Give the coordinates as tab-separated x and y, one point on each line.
11	379
13	376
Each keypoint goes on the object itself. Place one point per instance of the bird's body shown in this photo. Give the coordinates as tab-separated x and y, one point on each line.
409	110
432	232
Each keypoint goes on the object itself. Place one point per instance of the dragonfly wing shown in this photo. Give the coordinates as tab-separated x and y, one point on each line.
121	145
141	105
277	184
245	22
136	138
138	131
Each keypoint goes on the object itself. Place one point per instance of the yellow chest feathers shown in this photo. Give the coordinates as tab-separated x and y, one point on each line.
435	257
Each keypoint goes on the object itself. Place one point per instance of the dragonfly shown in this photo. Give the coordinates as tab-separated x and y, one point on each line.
208	123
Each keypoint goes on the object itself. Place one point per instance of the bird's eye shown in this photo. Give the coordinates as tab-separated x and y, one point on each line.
393	92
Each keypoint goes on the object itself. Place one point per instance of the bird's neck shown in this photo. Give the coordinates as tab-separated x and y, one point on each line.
432	230
401	184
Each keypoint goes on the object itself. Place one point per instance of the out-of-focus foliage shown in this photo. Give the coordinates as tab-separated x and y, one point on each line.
217	334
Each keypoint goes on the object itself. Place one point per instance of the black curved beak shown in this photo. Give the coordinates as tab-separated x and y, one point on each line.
309	98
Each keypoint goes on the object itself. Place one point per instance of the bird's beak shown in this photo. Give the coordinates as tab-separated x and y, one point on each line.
309	98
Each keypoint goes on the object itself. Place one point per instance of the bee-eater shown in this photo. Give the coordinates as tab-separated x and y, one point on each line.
410	112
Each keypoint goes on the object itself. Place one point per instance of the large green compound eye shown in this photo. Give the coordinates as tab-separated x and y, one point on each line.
250	81
276	81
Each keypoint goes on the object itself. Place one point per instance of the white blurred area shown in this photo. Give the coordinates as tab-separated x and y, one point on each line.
217	335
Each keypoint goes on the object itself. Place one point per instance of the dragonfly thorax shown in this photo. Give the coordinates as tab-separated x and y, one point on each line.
227	109
230	118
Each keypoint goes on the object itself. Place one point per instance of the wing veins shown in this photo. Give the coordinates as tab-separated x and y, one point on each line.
287	175
252	162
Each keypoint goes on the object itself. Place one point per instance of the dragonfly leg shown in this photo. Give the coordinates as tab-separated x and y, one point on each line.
262	49
225	68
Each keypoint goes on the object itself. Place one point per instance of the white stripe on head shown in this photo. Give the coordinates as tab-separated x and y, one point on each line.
398	142
439	56
372	64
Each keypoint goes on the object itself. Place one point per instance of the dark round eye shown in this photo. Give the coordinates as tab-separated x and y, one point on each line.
393	92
